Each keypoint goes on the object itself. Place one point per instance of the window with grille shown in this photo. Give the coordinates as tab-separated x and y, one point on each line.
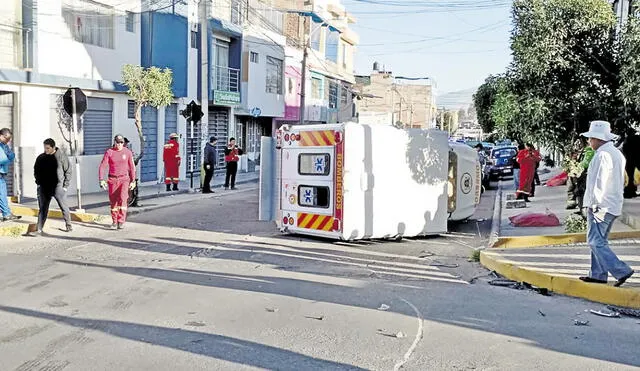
89	22
274	75
194	39
255	57
131	109
130	22
317	90
333	95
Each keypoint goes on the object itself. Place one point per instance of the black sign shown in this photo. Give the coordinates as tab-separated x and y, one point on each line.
192	112
81	101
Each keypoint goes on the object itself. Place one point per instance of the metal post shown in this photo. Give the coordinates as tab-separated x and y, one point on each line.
204	76
303	83
75	151
192	154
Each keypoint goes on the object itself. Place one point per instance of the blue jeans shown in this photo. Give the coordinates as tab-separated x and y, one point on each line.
603	259
516	178
4	202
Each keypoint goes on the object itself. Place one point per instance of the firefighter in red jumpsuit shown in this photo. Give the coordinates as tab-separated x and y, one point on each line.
121	178
171	158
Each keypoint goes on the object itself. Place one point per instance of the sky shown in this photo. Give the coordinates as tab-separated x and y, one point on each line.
457	43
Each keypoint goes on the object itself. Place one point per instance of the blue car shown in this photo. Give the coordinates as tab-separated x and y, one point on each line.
501	161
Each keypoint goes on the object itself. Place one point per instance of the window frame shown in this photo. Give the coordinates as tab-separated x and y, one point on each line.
327	188
279	70
327	157
130	21
254	57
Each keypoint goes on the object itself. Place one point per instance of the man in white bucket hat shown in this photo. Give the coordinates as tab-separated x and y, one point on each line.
603	201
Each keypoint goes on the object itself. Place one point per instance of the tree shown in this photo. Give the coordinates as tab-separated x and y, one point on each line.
629	91
483	101
148	87
564	70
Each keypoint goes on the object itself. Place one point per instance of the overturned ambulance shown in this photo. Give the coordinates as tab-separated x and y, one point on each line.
356	181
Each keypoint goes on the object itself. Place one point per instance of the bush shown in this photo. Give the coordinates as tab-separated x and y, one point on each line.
575	224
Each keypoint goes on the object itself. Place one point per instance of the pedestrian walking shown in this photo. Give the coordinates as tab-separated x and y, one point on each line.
516	167
210	160
527	158
52	172
171	158
231	156
577	181
603	200
6	158
121	171
536	177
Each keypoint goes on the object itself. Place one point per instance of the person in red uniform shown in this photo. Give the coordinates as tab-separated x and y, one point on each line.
122	177
231	156
171	157
528	158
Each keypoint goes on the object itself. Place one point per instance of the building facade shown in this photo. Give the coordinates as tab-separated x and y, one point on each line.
407	102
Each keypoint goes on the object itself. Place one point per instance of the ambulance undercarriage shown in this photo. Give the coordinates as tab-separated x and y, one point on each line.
356	181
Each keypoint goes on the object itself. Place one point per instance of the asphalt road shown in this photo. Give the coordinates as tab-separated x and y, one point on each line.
203	286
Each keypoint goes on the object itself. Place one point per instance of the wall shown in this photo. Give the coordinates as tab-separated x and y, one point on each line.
84	60
254	90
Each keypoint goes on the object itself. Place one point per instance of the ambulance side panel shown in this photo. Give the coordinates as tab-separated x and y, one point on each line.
395	182
468	181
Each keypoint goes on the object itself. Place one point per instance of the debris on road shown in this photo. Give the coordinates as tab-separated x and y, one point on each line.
605	314
541	313
195	324
626	311
271	310
320	318
383	307
401	335
580	323
397	335
425	254
444	265
503	282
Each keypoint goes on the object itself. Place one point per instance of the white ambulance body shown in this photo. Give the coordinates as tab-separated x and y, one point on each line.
356	181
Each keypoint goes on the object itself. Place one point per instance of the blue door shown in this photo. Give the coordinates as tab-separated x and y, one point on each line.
149	167
170	120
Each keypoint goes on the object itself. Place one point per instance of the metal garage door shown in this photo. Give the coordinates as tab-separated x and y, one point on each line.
149	168
97	123
170	120
194	148
6	121
219	128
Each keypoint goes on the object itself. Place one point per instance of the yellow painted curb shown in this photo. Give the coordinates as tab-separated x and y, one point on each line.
14	229
56	214
606	294
510	242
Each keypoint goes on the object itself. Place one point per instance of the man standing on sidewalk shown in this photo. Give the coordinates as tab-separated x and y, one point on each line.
231	155
603	200
52	172
171	158
210	160
6	158
122	178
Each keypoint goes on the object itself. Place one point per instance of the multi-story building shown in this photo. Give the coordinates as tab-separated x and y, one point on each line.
407	102
322	27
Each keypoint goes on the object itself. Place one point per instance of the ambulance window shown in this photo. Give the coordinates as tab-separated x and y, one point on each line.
314	164
313	196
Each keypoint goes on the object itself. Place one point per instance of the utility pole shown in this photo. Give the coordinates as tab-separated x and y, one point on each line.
204	75
303	83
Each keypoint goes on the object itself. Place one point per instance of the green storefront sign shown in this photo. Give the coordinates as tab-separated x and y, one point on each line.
227	98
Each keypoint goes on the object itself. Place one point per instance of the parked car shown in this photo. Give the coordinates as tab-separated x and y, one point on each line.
500	162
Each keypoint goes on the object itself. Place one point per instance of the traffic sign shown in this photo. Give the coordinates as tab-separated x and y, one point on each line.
81	101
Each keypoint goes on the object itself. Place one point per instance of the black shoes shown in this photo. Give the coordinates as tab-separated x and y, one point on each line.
622	280
591	280
175	187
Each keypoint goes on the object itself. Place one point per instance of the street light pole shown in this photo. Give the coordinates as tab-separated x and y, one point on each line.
303	83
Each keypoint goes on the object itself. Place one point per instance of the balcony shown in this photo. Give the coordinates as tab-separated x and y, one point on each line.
11	41
226	86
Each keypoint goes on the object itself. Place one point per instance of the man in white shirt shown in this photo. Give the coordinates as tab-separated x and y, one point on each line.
603	200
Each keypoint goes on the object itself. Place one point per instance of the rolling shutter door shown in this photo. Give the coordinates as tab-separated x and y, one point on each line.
149	167
219	128
97	123
6	120
170	120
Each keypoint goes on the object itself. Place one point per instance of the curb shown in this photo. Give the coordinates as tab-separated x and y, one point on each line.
515	242
56	214
497	218
15	229
630	220
606	294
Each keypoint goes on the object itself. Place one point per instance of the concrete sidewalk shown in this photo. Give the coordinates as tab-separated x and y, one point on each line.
548	257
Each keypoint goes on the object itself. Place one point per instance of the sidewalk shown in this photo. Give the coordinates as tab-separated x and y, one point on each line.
548	257
93	201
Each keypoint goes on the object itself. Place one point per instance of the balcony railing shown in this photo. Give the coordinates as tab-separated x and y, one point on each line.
226	79
11	44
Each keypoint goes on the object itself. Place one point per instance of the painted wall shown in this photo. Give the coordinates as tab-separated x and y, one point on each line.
84	60
165	43
254	91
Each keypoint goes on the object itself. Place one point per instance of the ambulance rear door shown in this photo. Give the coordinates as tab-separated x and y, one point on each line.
308	190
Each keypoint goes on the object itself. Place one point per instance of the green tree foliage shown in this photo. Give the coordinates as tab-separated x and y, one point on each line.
483	101
147	86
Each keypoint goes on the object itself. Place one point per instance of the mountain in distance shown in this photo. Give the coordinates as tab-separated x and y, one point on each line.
456	99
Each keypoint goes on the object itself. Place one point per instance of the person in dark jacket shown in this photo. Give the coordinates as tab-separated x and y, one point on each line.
52	171
231	156
210	160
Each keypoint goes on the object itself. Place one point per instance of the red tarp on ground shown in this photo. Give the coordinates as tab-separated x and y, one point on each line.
535	220
558	180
